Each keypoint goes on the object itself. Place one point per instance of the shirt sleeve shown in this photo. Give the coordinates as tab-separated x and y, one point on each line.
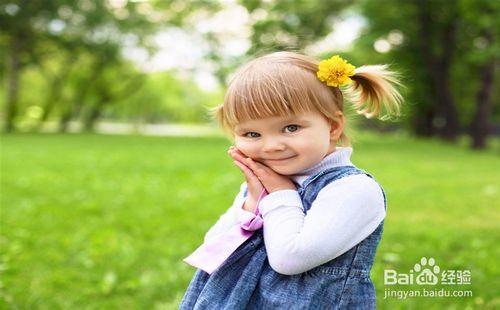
234	215
345	212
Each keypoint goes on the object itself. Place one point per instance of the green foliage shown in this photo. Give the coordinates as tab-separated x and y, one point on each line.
91	221
473	19
164	98
57	37
154	98
291	24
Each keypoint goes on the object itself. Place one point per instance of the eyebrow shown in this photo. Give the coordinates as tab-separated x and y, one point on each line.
295	119
242	129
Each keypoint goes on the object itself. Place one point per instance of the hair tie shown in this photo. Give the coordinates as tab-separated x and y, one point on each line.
335	71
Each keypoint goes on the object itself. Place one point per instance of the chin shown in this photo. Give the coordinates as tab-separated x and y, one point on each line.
284	171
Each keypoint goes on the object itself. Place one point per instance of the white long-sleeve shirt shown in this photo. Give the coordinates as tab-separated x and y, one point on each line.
345	212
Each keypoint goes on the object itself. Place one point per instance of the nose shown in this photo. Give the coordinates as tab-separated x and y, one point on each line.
272	144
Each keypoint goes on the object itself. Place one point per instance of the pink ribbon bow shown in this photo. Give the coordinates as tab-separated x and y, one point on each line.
214	251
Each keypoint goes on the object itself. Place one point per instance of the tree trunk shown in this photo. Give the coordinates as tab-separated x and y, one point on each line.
422	123
73	111
95	111
450	130
55	89
13	71
92	117
438	69
74	108
131	85
480	127
76	105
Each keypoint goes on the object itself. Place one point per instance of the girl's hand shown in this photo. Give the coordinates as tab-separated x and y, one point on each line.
271	180
254	186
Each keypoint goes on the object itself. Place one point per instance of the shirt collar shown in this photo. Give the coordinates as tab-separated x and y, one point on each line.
340	157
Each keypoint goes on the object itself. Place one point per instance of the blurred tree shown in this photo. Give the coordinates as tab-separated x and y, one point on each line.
277	25
108	91
445	45
53	35
428	40
481	16
437	63
81	84
77	48
17	38
164	98
291	24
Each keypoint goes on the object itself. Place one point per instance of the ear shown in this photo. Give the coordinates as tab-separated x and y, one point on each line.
337	125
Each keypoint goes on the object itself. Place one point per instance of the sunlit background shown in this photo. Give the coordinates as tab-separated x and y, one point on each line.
112	170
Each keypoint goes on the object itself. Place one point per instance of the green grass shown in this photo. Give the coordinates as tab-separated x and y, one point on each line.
94	221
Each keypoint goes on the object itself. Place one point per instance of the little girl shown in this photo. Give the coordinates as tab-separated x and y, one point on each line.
303	231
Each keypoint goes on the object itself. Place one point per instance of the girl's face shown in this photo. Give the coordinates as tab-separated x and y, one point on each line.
288	144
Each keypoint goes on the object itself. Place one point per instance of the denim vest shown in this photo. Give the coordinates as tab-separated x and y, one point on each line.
246	280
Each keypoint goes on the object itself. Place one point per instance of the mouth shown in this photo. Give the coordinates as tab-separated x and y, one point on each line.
280	159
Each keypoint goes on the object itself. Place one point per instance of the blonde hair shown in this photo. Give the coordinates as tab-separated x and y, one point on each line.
285	83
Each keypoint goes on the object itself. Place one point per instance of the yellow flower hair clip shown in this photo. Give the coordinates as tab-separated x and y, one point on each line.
335	71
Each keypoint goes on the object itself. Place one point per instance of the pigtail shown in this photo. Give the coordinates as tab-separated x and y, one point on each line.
374	88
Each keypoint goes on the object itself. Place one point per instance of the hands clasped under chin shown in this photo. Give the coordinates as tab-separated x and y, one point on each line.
259	176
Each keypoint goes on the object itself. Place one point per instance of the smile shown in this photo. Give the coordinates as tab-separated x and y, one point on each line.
281	159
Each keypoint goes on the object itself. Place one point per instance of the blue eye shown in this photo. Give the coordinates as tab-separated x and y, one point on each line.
252	135
292	128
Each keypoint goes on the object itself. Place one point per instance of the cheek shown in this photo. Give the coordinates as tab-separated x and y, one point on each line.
317	141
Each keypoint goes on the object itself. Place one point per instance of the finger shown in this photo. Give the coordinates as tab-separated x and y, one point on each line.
251	179
236	150
257	168
246	171
237	156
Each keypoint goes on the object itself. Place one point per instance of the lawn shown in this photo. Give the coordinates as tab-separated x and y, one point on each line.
103	222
